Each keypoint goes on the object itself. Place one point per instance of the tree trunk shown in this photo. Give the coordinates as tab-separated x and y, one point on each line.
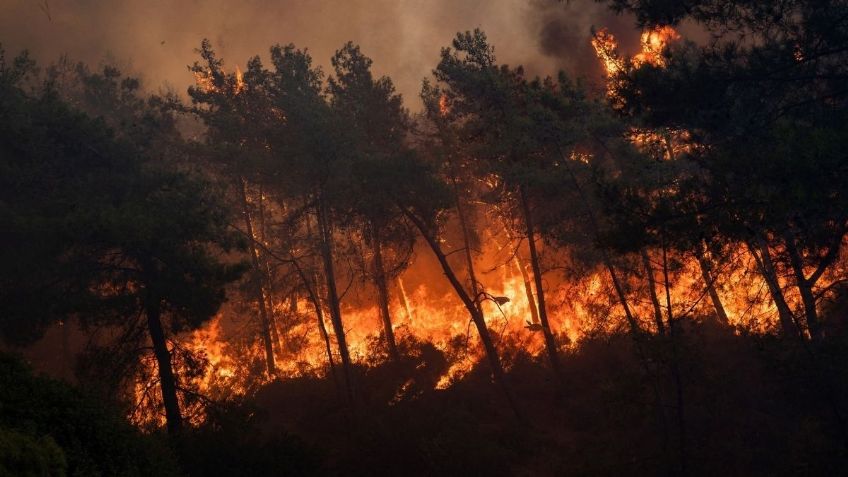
267	276
260	295
709	281
652	290
635	331
759	250
404	301
476	316
622	298
675	365
167	381
322	329
805	288
528	290
550	341
314	294
383	295
326	237
466	239
528	286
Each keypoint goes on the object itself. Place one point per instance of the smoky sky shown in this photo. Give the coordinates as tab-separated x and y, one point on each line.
155	39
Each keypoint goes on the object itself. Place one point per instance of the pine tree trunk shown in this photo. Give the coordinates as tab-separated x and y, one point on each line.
314	294
805	288
322	329
652	289
167	381
528	285
759	250
267	276
622	298
471	306
260	295
709	281
469	259
326	237
383	295
528	290
550	341
403	299
675	366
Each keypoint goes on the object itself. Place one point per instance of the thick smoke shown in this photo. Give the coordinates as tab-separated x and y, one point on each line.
156	38
564	31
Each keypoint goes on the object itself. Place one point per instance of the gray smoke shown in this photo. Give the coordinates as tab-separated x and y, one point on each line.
156	38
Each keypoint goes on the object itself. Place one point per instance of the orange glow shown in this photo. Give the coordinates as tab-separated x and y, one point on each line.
239	84
654	42
606	47
444	108
429	312
206	81
425	309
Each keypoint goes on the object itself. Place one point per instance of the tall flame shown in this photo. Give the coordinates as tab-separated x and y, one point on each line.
427	312
654	41
239	84
444	107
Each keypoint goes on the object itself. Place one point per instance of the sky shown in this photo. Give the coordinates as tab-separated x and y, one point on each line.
155	39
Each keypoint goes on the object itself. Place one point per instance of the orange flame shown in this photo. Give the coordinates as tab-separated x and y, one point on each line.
654	42
444	107
239	84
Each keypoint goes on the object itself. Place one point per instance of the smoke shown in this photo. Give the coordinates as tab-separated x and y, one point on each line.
564	31
155	39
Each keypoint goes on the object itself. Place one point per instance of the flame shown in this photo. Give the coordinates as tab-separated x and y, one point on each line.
239	84
427	311
578	307
654	41
444	107
204	79
606	47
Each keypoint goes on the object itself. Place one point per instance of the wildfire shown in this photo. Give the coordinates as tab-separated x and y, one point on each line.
205	80
606	47
578	307
426	312
444	107
239	84
654	42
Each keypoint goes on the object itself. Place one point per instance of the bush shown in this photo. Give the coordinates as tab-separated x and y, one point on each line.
50	428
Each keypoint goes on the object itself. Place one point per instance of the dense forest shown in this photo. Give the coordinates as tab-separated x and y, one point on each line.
288	270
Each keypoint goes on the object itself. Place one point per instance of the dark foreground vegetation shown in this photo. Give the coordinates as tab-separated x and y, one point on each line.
755	405
694	206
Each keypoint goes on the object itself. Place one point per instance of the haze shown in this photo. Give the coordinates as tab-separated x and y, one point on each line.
155	39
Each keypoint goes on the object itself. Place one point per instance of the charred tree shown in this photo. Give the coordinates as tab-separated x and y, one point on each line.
383	295
267	275
466	240
550	340
473	311
258	289
652	290
762	256
706	267
325	233
804	285
167	379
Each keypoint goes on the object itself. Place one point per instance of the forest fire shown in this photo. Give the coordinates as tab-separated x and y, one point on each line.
297	270
654	41
430	313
